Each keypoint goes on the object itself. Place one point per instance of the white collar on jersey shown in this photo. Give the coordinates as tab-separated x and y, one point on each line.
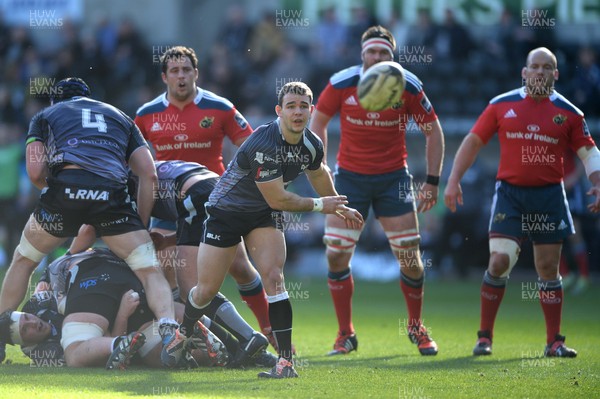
199	96
551	97
278	122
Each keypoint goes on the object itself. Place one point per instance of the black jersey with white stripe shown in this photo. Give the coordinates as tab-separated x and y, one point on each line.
171	176
91	134
263	157
62	270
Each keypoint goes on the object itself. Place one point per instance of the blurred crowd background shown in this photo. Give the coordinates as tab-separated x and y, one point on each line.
248	49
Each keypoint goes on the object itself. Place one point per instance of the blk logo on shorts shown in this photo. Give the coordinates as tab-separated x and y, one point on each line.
85	194
212	236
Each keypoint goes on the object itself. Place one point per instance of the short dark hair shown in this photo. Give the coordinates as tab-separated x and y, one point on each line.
177	53
69	88
380	32
299	88
5	323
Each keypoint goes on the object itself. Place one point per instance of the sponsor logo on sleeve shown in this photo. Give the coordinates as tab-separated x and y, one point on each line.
241	121
259	157
263	173
426	104
586	130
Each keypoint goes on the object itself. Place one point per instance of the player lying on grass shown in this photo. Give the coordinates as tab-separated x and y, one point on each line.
205	119
78	150
100	288
183	188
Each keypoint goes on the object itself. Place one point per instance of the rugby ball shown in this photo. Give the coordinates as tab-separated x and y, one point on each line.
381	86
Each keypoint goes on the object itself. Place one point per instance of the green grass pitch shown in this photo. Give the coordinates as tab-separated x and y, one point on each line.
386	364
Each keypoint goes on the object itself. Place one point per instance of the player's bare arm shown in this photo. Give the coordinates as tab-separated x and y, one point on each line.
279	198
36	164
321	181
590	157
434	151
129	303
142	165
240	141
465	156
318	125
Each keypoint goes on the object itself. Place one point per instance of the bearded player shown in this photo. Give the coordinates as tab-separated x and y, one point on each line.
535	125
189	123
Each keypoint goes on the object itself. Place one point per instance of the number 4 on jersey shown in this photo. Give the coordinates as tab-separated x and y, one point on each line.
86	120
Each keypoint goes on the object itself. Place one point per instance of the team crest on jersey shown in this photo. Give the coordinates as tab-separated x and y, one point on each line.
499	217
207	122
559	119
398	105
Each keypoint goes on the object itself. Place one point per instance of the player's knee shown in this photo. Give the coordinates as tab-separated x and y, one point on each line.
72	359
410	262
340	241
27	250
499	265
338	261
547	269
273	279
73	332
504	254
143	256
242	271
202	294
404	242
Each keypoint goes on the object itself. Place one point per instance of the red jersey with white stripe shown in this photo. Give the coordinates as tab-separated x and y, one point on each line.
533	136
374	142
194	134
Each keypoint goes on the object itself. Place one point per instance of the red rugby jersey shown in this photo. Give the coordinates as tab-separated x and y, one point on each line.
194	134
374	142
569	162
533	136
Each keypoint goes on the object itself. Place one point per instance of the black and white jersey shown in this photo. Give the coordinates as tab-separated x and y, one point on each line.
263	157
91	134
172	175
62	269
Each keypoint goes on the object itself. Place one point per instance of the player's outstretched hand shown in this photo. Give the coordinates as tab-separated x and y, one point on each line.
353	218
336	205
333	203
594	207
